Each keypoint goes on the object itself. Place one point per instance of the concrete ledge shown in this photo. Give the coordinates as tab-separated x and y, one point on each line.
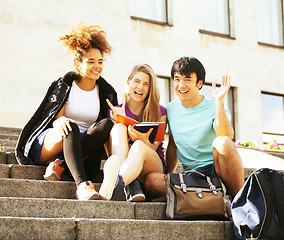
79	229
150	210
153	229
253	158
8	141
4	171
10	130
6	136
11	158
27	172
3	158
37	189
37	228
57	208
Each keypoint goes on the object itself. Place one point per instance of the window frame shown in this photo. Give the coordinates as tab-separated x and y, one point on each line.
232	111
271	44
165	23
271	133
169	85
229	35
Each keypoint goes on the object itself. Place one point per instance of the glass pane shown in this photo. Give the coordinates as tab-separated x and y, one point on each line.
269	18
213	16
163	85
206	90
149	9
268	138
272	113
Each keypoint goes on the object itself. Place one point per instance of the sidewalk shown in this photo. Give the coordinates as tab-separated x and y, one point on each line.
257	159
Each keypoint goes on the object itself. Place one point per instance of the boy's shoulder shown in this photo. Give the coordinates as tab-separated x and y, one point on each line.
172	104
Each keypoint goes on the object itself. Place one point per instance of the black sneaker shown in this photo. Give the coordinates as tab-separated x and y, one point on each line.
133	192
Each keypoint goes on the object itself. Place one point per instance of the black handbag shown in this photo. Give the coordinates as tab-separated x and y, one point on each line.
194	196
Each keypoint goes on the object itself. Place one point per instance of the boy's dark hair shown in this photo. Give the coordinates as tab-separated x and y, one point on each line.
187	65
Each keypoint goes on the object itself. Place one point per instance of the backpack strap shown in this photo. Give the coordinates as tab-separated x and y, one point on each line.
277	185
263	185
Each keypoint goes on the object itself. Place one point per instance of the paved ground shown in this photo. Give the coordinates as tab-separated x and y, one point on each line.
257	159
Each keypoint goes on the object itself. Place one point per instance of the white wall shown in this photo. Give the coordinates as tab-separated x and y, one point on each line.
31	56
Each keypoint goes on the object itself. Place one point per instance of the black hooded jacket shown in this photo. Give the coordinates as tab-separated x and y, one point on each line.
55	98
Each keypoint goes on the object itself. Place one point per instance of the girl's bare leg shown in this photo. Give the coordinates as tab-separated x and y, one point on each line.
119	141
141	161
52	146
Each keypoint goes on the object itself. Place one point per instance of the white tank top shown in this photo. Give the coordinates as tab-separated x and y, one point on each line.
83	106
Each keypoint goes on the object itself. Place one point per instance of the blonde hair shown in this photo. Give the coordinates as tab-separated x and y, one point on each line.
151	111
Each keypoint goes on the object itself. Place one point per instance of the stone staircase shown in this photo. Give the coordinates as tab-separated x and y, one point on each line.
31	208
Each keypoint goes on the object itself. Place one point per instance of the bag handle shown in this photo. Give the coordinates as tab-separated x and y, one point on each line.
211	185
182	183
195	172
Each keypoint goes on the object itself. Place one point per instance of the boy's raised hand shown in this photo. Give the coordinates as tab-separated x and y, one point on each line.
116	110
219	93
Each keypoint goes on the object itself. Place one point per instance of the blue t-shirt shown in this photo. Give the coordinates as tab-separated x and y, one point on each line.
193	133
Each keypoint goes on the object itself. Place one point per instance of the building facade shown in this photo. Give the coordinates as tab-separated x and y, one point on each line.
244	40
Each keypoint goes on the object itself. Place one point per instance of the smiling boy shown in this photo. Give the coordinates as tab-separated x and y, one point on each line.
199	129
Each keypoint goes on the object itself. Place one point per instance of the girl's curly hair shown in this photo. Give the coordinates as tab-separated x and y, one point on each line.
85	37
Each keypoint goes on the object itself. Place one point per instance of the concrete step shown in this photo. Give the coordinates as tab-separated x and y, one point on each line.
8	158
6	136
38	188
10	130
7	143
16	171
69	208
5	148
77	228
36	172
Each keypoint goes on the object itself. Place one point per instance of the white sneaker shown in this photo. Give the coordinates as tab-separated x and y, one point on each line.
53	171
86	191
111	169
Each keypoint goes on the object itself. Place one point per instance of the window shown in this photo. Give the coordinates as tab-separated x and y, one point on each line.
272	117
206	90
270	22
154	10
164	87
214	16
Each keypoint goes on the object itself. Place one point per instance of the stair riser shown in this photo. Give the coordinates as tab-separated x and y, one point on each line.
37	189
10	131
37	228
8	136
37	172
34	229
56	208
4	143
154	230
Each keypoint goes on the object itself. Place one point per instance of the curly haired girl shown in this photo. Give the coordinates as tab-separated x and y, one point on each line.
71	125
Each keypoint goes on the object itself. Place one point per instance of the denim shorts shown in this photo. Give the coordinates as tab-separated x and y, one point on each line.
37	146
208	171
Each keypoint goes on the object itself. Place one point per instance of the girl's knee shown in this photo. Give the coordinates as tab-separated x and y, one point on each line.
119	128
138	145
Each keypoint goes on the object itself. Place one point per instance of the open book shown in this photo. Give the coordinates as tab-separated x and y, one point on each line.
158	133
